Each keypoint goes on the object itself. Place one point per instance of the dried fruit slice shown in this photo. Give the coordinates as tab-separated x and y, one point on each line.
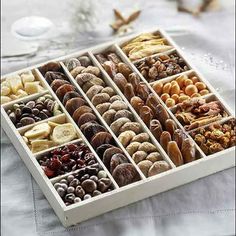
27	77
63	133
53	124
40	145
42	130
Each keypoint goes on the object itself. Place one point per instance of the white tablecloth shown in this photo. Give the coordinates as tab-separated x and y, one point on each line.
204	207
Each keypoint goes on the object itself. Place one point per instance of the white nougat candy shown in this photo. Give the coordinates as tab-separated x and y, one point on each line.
15	83
32	87
27	77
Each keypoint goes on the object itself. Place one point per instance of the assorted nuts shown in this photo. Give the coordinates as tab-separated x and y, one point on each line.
26	113
180	89
153	115
117	115
82	177
88	182
216	137
197	112
66	159
159	67
46	135
19	86
88	122
145	45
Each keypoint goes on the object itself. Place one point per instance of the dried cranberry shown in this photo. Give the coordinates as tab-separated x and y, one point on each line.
55	164
75	154
56	151
72	147
64	152
50	173
65	158
80	162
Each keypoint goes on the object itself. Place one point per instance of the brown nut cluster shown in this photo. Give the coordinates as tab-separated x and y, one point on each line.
88	122
159	67
180	89
153	114
197	112
216	137
118	116
145	45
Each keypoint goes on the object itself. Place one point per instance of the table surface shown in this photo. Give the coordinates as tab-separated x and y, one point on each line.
203	207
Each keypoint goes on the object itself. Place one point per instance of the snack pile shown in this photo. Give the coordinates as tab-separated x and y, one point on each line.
18	86
115	117
182	88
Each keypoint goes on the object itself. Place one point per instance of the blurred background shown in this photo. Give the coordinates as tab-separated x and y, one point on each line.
203	28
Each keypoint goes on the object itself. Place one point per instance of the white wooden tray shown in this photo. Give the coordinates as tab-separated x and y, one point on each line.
120	196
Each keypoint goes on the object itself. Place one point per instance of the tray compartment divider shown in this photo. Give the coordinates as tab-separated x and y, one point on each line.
77	212
78	130
127	61
102	120
137	117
